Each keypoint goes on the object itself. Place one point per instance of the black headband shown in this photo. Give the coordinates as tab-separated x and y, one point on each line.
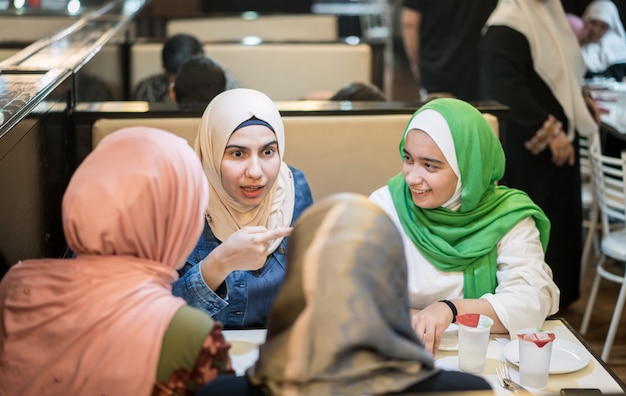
254	121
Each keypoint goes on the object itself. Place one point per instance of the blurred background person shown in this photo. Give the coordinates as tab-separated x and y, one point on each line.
441	44
199	80
531	62
359	91
355	90
176	50
577	7
91	88
604	41
577	25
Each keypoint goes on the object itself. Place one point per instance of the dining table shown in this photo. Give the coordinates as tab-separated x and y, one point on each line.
574	365
610	98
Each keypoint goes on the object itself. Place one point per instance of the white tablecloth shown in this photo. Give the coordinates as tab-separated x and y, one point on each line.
594	375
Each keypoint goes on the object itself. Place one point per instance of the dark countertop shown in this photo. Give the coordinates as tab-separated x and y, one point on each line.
21	94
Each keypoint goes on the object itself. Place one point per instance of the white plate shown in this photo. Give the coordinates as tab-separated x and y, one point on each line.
566	357
450	338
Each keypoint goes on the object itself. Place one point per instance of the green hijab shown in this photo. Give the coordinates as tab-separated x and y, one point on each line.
466	239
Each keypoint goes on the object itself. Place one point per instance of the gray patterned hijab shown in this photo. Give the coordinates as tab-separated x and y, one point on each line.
340	324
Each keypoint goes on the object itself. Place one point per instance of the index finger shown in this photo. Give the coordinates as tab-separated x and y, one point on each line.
276	233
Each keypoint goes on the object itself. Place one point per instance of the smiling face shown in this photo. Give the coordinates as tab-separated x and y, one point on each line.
426	171
250	164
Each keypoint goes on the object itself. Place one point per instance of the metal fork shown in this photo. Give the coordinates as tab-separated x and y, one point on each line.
502	370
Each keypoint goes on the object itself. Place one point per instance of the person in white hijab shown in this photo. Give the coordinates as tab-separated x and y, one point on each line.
604	42
531	62
239	262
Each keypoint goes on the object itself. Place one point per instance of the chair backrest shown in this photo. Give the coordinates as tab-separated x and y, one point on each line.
28	29
337	153
585	163
283	71
587	191
609	183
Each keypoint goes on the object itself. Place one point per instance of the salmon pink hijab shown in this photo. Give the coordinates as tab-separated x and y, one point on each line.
93	325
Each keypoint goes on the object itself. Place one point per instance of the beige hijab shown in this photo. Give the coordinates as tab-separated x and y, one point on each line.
340	324
223	114
93	325
555	51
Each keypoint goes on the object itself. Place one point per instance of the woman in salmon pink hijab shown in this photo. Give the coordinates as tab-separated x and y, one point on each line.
106	322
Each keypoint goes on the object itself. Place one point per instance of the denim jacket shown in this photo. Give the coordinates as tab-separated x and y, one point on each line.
248	295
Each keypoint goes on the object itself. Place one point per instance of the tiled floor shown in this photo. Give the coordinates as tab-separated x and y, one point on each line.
601	318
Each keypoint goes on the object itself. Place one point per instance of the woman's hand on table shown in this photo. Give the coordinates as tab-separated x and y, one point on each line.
430	323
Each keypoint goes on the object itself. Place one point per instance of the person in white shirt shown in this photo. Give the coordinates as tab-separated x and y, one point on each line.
471	246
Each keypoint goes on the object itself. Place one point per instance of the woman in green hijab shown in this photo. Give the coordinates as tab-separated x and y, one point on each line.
471	246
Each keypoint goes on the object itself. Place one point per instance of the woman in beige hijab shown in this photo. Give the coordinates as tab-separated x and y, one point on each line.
341	324
105	322
239	261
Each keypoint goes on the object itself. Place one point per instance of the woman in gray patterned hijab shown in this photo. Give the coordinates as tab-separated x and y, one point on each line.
340	324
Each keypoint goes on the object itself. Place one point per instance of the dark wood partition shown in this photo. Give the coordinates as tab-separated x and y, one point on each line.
34	168
37	139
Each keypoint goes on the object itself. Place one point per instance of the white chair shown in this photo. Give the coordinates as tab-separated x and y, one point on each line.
610	187
591	219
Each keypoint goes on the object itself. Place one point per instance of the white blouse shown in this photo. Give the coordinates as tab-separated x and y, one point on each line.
526	293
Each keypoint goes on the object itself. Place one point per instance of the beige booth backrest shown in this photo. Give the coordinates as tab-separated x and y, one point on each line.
305	27
32	28
336	153
282	71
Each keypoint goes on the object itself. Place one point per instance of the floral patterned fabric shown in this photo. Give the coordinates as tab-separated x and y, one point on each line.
186	364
